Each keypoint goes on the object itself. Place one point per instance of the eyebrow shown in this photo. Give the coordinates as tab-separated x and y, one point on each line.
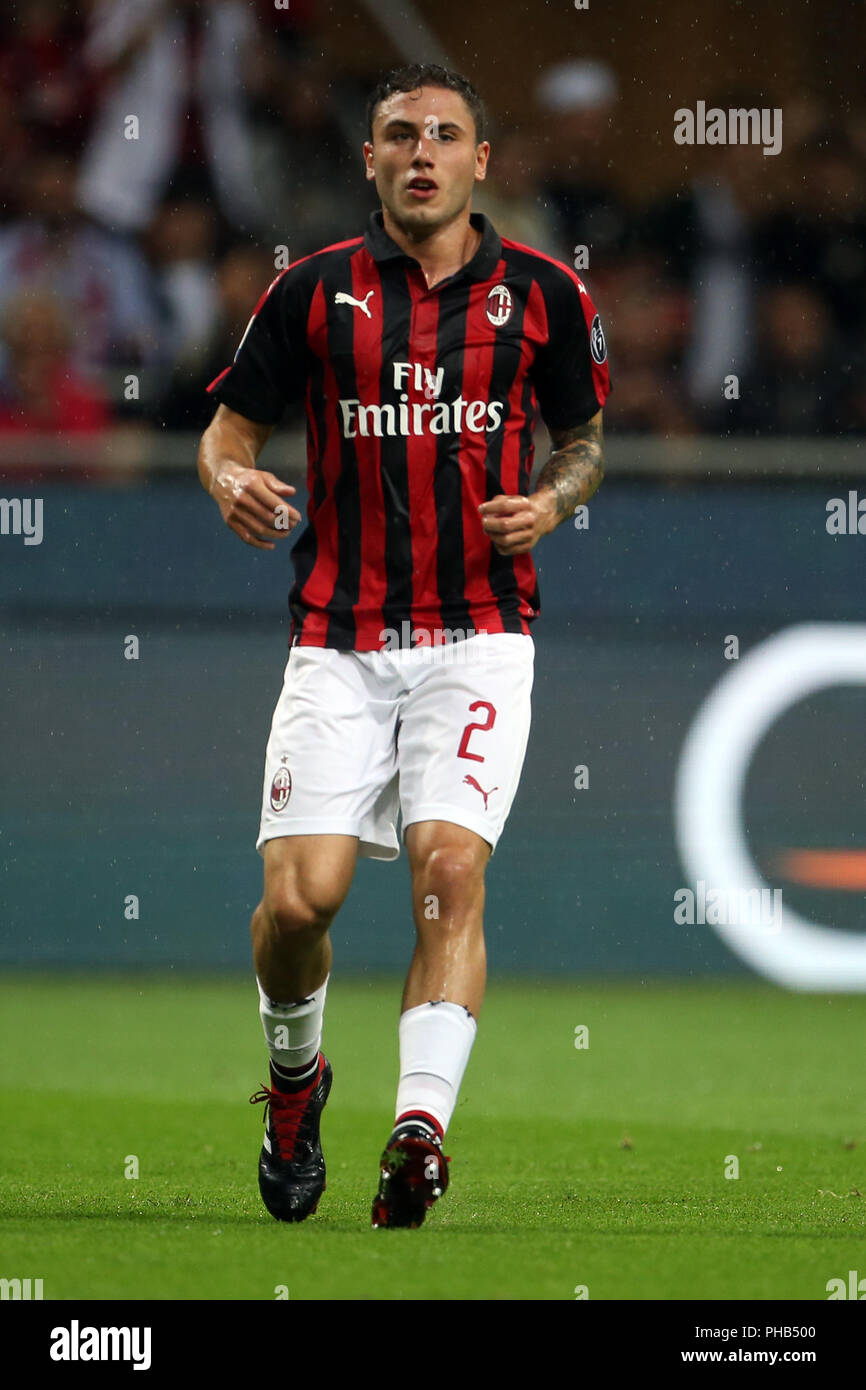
412	125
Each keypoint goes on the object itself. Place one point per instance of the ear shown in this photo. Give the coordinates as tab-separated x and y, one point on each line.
368	160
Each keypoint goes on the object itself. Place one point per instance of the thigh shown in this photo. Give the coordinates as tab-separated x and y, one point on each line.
463	733
332	746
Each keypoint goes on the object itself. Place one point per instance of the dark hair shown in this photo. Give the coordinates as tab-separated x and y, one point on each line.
415	75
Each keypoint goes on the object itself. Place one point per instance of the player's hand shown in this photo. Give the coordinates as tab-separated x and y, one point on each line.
252	503
514	524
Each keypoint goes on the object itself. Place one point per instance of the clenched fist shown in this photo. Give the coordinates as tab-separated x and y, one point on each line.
252	504
514	524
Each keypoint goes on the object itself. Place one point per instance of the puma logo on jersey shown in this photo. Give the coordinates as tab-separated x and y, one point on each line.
341	298
472	783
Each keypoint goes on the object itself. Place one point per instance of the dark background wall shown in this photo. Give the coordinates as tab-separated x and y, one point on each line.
666	56
143	777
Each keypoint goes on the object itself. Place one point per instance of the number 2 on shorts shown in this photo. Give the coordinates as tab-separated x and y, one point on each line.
463	750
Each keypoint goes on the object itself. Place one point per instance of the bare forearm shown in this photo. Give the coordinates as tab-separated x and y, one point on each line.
575	469
253	502
226	441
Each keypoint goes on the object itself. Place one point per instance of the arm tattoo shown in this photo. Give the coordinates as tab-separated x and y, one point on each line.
575	470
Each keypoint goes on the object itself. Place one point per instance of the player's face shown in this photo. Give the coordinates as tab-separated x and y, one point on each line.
424	157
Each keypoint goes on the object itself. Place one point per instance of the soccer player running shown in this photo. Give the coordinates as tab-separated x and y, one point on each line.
423	351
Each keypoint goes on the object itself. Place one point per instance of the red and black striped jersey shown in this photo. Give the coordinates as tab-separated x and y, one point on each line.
420	405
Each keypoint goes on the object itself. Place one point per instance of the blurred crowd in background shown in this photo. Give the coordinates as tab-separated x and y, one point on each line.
142	258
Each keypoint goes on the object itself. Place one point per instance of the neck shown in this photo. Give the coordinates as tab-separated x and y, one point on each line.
440	252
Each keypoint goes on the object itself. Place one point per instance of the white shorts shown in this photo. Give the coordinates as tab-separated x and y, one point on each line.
434	733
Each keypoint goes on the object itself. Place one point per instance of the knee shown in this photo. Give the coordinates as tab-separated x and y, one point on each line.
452	874
292	911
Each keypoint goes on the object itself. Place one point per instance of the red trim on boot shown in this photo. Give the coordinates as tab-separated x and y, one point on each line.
406	1117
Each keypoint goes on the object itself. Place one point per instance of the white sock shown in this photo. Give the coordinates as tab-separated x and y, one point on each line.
435	1043
293	1031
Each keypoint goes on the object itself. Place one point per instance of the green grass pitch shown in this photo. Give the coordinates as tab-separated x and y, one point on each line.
601	1166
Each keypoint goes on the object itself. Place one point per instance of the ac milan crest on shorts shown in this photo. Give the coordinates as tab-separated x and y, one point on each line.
281	787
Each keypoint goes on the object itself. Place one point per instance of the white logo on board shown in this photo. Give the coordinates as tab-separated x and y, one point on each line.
711	779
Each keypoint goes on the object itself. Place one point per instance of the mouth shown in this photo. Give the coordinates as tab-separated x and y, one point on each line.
421	188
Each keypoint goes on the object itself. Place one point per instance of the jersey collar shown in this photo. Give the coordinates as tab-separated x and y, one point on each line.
481	266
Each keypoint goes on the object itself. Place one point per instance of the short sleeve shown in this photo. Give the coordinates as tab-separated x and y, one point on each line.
270	366
570	373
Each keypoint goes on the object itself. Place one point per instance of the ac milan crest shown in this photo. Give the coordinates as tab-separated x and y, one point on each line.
281	788
499	305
